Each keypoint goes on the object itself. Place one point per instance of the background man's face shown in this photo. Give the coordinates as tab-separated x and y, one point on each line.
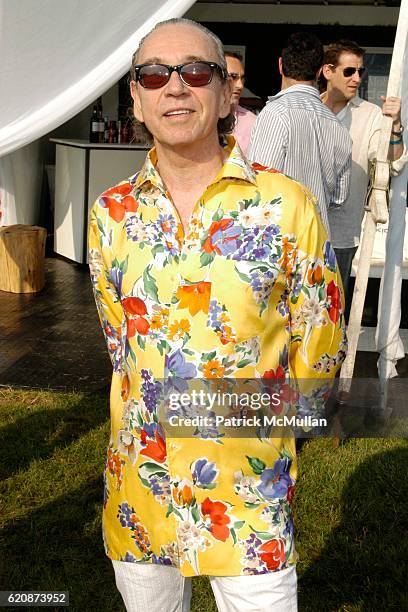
347	87
235	67
177	114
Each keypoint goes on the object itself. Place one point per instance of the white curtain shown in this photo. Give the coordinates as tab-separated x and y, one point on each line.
57	56
20	185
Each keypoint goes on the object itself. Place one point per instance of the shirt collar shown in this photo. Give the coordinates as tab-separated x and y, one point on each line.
308	89
235	167
149	174
356	101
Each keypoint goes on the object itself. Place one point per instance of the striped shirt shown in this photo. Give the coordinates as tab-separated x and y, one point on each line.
298	135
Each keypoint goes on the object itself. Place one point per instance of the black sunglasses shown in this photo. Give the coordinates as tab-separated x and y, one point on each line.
193	74
350	70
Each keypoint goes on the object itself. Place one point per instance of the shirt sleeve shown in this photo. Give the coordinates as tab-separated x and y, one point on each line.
269	140
318	341
106	276
342	189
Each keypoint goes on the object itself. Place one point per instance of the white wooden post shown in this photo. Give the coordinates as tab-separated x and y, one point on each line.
377	206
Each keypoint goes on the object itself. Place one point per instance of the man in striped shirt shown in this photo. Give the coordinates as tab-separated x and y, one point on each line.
298	135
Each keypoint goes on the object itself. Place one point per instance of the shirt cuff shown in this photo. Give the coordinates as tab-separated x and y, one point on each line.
398	164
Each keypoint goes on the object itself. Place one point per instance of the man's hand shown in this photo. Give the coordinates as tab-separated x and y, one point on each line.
392	108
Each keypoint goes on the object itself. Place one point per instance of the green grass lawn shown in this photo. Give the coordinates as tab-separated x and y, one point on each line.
350	511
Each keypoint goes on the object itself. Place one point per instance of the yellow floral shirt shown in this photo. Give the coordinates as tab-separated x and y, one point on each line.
251	291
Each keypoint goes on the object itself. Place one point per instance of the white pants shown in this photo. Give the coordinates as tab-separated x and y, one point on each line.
160	588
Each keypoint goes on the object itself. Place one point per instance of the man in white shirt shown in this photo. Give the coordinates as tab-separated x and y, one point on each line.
343	70
296	134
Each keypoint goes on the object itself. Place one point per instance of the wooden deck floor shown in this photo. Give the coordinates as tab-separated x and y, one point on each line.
53	340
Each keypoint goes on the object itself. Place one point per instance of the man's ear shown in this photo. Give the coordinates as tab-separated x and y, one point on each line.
280	66
327	71
137	108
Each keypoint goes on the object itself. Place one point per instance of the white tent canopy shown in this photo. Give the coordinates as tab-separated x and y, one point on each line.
56	58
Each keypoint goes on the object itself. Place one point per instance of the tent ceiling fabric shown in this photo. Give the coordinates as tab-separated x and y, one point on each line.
312	2
57	57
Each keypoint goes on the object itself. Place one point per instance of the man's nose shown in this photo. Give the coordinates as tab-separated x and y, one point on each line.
175	85
356	77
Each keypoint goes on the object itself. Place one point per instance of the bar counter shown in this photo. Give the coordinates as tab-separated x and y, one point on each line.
83	171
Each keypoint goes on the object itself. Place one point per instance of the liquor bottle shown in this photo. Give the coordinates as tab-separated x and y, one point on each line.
106	133
119	130
101	121
94	126
113	132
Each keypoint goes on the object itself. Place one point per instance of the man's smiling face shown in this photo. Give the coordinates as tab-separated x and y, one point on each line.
177	114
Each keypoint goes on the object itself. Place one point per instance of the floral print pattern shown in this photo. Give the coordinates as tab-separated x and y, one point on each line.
250	290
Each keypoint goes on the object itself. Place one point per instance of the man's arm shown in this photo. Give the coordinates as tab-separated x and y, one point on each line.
342	188
316	304
397	153
106	277
269	139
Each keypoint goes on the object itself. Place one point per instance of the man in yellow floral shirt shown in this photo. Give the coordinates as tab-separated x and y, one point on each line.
204	269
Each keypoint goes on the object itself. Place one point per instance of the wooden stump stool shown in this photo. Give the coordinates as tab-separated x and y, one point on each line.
22	255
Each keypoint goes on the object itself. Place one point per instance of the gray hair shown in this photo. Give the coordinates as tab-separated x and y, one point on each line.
182	21
225	125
